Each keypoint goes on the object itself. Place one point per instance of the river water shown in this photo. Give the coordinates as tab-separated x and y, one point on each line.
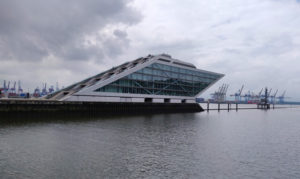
235	144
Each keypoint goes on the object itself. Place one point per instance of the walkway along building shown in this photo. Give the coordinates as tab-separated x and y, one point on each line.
151	79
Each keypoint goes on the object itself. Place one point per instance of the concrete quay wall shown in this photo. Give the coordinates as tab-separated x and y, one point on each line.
32	106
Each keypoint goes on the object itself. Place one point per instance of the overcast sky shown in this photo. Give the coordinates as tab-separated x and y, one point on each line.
253	42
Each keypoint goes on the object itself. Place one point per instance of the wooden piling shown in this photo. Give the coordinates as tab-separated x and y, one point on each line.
207	105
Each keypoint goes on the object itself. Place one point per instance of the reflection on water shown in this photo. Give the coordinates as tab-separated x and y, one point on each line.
243	144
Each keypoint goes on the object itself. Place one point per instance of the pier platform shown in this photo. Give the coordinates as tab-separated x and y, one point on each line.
40	106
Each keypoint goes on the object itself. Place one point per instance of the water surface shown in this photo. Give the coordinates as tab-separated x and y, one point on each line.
234	144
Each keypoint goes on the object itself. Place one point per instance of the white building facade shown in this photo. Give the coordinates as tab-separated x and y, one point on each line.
151	79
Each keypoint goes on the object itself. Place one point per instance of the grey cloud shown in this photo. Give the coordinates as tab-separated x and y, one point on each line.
32	30
120	34
115	46
174	45
253	42
225	22
231	50
275	46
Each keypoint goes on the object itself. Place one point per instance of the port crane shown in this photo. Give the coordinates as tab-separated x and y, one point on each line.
57	88
256	98
13	89
8	85
220	95
273	97
51	89
247	96
282	97
4	86
259	94
20	90
37	92
44	90
267	93
237	95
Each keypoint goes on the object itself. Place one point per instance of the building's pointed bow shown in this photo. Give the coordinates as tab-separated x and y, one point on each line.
157	79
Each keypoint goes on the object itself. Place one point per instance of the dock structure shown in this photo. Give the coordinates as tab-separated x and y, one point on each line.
235	106
264	103
219	107
263	106
48	106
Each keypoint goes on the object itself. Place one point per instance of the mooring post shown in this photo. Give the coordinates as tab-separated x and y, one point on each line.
228	106
207	105
236	106
273	105
218	106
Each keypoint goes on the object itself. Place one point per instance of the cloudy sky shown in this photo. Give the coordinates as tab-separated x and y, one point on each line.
253	42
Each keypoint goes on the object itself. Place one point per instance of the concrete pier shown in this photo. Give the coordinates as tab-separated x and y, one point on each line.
264	106
38	106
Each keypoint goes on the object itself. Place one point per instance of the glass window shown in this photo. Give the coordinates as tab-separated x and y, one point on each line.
174	75
134	76
111	88
162	80
148	71
140	71
182	76
175	69
161	73
155	78
139	77
147	78
189	77
182	70
159	66
156	72
168	74
168	68
189	72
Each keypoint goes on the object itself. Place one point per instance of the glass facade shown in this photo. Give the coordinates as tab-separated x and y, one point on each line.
160	79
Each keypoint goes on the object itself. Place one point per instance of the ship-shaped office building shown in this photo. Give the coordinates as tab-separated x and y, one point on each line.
150	79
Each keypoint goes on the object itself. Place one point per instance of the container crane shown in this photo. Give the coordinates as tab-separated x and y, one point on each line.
282	97
247	97
2	90
237	95
7	89
4	86
220	95
51	89
44	90
20	90
57	88
259	94
267	93
273	98
12	91
256	98
37	92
